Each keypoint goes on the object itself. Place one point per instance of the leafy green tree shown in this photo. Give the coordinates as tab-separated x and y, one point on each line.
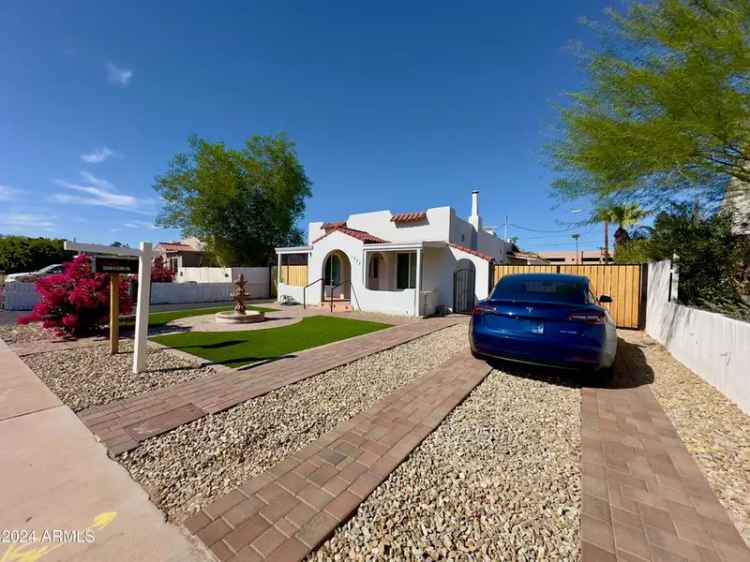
633	251
242	203
667	109
711	259
20	253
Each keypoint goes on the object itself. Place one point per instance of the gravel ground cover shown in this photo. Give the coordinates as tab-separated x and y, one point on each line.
88	376
13	333
498	480
185	469
713	428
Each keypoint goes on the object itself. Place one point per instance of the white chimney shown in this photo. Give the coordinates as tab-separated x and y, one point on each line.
475	219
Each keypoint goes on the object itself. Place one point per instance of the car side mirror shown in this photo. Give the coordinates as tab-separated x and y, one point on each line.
605	299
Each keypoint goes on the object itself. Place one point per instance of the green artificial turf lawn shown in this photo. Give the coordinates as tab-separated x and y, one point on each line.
162	318
235	349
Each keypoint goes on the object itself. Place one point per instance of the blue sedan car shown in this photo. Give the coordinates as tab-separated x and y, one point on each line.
545	319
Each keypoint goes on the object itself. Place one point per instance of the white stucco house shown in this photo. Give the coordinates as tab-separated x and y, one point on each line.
406	263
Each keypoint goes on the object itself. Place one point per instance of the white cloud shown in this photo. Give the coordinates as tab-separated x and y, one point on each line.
118	75
141	225
7	192
98	155
26	221
95	191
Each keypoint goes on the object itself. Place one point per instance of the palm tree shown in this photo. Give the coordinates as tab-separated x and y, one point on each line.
622	215
576	237
606	216
626	216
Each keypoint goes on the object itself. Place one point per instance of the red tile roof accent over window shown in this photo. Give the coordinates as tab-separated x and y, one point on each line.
365	237
409	217
472	252
336	224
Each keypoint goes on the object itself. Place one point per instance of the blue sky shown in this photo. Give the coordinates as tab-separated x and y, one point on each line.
397	105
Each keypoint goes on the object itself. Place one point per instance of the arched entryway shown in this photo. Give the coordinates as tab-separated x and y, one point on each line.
336	274
463	287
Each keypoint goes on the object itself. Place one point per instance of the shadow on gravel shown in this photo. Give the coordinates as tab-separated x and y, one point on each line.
631	370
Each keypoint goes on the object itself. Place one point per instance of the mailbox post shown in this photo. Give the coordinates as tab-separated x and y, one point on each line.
112	260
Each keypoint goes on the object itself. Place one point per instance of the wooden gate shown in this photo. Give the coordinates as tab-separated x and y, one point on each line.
624	283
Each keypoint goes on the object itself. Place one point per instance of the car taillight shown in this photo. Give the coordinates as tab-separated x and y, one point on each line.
589	317
480	309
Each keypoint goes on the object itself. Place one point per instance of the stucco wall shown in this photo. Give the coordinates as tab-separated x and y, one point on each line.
715	347
296	293
439	266
437	226
442	224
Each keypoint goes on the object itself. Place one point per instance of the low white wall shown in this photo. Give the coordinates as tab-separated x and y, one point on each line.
258	278
20	296
23	296
715	347
296	293
176	293
400	302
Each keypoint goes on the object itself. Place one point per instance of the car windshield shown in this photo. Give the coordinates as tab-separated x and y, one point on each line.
546	290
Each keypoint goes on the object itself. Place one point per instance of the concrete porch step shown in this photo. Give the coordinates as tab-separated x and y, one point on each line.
339	305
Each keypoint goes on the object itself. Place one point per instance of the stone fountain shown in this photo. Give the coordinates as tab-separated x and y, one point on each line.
240	315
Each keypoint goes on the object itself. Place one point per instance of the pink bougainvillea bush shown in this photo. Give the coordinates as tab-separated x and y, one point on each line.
160	273
76	302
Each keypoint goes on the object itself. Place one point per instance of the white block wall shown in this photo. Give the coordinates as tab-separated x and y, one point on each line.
715	347
20	296
23	296
258	278
178	293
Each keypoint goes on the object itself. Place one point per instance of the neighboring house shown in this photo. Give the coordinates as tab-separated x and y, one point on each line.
406	263
737	199
584	257
189	252
519	257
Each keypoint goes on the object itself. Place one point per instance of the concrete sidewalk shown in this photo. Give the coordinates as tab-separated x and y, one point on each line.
59	484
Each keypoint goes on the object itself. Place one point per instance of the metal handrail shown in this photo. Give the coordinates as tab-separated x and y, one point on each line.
304	292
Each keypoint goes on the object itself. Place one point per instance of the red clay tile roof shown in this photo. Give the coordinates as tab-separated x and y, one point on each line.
336	224
365	237
409	217
472	252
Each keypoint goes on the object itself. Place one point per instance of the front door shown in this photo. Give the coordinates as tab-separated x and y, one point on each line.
463	290
336	275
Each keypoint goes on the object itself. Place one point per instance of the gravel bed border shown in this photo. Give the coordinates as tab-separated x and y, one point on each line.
188	467
499	479
86	376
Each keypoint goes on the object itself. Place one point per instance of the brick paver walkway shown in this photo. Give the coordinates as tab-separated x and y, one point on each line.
644	496
287	511
122	425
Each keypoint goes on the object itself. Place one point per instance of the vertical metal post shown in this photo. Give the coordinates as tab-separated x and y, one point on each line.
418	281
114	313
141	313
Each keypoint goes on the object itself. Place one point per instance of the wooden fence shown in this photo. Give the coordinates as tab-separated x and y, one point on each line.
294	275
624	283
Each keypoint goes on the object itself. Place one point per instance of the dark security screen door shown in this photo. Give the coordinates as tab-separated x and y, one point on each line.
463	291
